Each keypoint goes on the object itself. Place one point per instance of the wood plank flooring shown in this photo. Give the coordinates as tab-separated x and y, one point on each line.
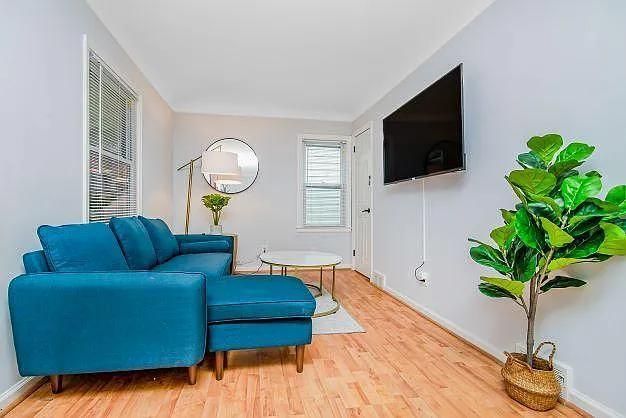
404	365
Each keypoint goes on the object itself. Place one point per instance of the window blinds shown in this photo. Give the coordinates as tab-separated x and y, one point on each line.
112	108
324	183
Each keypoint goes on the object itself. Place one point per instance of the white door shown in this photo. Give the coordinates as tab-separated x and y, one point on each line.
362	181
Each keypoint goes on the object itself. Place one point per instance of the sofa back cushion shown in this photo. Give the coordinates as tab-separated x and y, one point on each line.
164	242
81	248
135	241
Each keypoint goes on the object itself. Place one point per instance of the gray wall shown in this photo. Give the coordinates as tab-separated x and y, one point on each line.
266	212
41	118
531	67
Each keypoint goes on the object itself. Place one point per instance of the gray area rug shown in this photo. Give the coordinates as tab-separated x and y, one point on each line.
341	322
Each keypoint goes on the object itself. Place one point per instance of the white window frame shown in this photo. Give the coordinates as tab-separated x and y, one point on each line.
300	227
86	46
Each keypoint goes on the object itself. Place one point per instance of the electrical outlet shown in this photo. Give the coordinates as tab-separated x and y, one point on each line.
564	373
262	249
424	278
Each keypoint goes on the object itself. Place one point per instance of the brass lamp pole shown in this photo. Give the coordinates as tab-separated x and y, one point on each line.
189	183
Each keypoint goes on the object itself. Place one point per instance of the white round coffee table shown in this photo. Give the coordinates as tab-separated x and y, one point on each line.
306	259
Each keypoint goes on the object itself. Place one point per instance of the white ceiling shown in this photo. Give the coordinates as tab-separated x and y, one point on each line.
322	59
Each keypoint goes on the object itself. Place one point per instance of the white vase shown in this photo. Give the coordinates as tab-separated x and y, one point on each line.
216	229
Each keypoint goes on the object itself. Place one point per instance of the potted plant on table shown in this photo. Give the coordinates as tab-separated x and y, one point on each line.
558	222
215	202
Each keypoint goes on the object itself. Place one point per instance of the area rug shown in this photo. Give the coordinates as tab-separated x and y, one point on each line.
341	322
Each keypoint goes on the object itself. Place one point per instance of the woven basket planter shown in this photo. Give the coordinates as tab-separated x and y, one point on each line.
535	387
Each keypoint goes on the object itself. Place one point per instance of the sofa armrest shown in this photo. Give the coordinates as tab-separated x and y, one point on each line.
67	323
209	241
202	243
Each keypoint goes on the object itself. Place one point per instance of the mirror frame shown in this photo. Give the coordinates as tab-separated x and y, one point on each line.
258	165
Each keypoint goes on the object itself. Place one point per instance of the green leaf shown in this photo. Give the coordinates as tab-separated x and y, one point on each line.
545	146
531	160
592	208
561	282
585	246
556	235
562	167
617	196
513	287
539	209
579	228
503	235
494	291
621	222
524	264
575	151
518	192
533	180
614	240
559	263
593	173
508	215
553	204
577	189
490	257
527	230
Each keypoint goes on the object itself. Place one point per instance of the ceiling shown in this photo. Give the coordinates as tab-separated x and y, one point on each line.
319	59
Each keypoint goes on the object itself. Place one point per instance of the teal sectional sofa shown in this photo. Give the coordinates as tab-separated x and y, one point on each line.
130	295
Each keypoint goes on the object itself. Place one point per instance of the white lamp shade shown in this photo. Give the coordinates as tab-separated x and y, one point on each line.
220	162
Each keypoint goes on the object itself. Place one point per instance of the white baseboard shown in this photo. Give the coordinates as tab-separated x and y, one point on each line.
16	393
580	400
449	325
595	408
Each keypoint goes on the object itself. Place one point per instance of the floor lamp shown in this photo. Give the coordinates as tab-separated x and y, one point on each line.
214	162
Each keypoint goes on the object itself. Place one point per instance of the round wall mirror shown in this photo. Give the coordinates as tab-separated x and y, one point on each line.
246	160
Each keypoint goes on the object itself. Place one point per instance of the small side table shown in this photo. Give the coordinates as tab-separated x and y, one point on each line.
306	259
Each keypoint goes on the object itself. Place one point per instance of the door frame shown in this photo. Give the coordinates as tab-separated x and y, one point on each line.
368	126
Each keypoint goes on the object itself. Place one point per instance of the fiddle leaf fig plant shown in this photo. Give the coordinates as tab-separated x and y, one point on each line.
559	221
215	202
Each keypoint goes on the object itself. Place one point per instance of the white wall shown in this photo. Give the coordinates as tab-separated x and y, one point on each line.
41	118
266	212
531	67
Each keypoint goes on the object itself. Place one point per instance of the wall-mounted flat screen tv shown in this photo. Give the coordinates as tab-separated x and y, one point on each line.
424	137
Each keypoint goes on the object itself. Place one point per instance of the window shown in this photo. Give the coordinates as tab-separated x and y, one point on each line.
324	189
112	150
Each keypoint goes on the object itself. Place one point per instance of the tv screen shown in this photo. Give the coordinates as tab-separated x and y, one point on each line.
424	137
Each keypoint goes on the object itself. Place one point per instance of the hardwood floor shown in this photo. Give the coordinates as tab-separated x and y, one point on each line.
404	365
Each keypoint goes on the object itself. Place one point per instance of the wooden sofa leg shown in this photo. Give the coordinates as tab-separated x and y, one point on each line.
225	360
192	374
219	365
299	358
56	383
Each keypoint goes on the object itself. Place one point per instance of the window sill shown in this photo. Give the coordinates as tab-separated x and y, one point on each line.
321	229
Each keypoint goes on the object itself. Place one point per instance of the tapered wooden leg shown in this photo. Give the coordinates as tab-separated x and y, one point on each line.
192	374
299	358
225	359
56	382
219	365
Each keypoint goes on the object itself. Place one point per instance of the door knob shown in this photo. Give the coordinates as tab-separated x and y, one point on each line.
366	210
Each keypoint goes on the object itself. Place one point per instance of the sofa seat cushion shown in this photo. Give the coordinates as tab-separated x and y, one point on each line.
212	265
164	242
135	242
81	248
253	297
